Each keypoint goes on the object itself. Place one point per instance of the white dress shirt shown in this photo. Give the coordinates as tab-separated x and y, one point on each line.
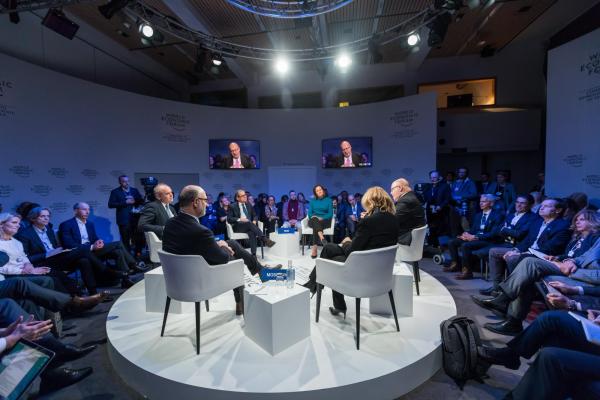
85	238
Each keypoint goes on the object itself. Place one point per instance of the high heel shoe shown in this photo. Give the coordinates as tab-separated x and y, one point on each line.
312	287
336	312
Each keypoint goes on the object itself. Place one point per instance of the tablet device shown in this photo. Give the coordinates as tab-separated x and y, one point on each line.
19	368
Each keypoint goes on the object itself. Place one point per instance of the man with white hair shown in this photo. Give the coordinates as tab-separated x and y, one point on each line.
156	213
183	234
347	159
409	210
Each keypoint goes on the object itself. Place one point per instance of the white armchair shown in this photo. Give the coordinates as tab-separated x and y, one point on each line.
189	278
154	244
365	273
307	230
414	253
243	236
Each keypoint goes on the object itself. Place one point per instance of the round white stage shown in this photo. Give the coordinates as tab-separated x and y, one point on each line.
231	366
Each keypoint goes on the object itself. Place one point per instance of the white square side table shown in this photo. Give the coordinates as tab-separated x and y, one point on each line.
286	244
402	291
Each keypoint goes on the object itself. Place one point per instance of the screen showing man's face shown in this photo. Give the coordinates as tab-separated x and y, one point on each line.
346	148
234	150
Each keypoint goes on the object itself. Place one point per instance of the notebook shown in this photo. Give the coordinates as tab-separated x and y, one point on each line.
591	330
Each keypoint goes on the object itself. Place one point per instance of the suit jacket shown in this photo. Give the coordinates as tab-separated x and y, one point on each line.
348	210
184	235
117	200
482	187
553	239
509	195
32	244
233	214
438	195
154	218
246	162
409	215
491	228
464	190
375	231
356	160
520	230
69	235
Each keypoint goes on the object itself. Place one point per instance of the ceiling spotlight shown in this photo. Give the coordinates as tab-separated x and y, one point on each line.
343	61
217	60
413	39
282	65
146	30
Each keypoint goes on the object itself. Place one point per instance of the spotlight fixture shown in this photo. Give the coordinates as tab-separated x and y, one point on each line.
282	65
216	59
112	7
438	29
343	62
146	30
413	39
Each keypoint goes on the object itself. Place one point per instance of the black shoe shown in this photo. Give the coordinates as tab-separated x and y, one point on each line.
312	286
510	327
140	267
498	304
336	312
504	356
487	291
62	377
70	352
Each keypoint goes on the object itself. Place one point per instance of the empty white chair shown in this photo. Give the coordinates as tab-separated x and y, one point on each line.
307	230
414	253
189	278
366	273
154	244
244	236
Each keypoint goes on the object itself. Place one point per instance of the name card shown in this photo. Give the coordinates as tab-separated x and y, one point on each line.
282	231
272	274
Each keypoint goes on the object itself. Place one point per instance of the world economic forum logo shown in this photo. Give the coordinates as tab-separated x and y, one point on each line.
593	65
5	86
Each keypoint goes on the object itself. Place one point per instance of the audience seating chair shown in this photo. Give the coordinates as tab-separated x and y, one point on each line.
414	253
244	236
365	273
189	278
306	230
154	244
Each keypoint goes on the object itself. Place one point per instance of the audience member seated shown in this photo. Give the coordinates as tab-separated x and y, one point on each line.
184	234
270	213
538	198
124	199
292	211
352	216
437	201
222	211
410	213
518	290
43	250
340	215
22	211
320	212
280	204
484	228
463	193
503	190
304	202
259	207
80	232
209	219
378	228
566	365
243	219
156	213
515	229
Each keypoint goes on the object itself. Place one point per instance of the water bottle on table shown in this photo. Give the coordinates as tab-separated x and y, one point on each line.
291	275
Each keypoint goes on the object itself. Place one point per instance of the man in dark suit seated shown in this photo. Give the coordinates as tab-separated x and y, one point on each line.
243	219
124	199
236	159
437	199
156	213
347	159
409	210
79	232
352	215
484	228
185	235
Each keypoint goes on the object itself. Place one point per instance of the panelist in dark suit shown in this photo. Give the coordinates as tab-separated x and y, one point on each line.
124	199
484	228
80	232
352	215
236	159
377	229
243	219
347	159
437	200
183	234
410	213
156	213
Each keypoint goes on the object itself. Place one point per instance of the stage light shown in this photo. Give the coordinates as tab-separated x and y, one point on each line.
343	62
217	60
146	30
413	39
109	9
282	65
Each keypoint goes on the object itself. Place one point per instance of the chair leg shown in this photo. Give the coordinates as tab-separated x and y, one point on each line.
262	251
197	327
167	305
206	304
302	241
393	303
318	300
417	276
358	323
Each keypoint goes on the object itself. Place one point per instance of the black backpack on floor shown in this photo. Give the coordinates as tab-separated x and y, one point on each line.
460	339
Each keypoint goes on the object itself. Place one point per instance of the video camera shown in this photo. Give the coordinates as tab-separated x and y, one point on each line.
149	183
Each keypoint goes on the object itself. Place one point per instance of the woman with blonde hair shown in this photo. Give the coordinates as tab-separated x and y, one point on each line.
378	228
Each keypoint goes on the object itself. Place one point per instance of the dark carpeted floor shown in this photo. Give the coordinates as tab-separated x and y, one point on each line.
105	384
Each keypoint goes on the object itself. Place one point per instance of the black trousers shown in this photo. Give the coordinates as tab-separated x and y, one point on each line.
26	289
318	225
250	229
115	251
467	251
438	225
76	259
239	253
336	253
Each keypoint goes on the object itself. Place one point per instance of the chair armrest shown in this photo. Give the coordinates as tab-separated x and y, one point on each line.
224	277
329	272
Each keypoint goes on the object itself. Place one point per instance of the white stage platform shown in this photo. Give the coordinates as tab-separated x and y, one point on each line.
231	366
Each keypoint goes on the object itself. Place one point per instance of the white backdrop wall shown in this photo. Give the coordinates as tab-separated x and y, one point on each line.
573	118
66	140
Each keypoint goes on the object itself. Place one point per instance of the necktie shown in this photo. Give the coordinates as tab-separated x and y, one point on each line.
347	162
245	210
169	213
236	163
484	218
